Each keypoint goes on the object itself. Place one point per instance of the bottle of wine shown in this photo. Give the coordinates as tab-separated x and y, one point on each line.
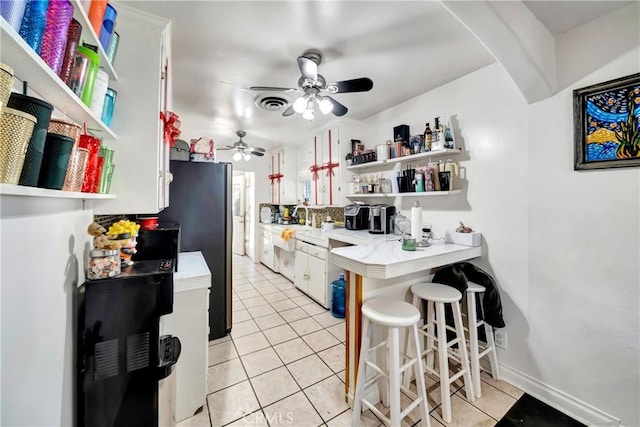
448	136
428	137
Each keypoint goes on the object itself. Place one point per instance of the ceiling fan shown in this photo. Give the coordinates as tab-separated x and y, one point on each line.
316	90
242	149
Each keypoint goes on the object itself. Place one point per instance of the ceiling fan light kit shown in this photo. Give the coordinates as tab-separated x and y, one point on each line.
313	85
243	151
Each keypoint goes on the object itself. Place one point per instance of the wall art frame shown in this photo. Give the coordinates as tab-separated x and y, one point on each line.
606	119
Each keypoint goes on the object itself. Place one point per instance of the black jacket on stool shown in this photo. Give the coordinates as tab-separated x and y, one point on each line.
489	309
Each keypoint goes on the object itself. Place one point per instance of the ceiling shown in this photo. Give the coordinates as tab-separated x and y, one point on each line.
221	48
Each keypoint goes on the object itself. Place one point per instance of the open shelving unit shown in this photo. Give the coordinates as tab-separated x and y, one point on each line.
406	159
22	190
29	67
385	195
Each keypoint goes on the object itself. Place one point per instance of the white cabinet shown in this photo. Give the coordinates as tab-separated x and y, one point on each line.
267	252
326	154
311	272
283	163
286	263
141	174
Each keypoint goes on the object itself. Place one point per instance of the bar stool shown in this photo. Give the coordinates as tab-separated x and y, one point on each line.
437	296
476	351
392	314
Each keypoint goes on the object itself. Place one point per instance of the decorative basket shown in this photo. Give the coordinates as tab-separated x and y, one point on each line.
6	83
16	128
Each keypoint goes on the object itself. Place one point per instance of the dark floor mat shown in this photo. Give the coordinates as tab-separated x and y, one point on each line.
530	412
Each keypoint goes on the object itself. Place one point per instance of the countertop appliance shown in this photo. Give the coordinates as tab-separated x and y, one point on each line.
160	243
200	201
356	217
121	356
381	219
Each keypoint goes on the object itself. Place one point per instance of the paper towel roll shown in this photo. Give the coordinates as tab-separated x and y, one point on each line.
416	223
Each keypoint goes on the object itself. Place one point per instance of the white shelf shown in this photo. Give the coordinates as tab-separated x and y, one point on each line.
384	195
22	190
89	36
406	159
29	67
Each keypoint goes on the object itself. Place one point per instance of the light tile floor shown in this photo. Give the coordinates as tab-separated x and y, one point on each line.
283	365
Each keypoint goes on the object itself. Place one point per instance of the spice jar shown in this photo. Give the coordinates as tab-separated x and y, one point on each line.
103	263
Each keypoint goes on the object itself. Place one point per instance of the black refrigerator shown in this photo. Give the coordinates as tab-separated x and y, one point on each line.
200	201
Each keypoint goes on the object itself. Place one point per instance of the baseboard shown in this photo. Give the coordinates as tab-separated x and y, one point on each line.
563	402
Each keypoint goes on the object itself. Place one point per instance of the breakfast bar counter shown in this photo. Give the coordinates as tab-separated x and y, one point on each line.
377	263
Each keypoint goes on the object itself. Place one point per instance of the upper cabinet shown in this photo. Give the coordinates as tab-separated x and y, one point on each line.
282	176
327	151
141	176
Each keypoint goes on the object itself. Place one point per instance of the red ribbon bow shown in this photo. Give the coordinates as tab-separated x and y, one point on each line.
314	170
171	124
275	177
330	166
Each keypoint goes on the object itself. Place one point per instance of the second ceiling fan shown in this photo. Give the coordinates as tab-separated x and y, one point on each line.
316	90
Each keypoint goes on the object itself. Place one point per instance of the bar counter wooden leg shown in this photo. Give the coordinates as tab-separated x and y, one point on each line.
356	294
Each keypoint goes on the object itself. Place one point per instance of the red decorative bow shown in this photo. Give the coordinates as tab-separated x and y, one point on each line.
314	170
275	177
330	166
171	124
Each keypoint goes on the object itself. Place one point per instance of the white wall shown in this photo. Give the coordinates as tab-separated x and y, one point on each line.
43	246
562	245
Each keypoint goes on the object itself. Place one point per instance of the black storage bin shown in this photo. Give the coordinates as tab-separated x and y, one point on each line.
41	110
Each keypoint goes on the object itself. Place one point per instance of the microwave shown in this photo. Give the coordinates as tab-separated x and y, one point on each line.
162	243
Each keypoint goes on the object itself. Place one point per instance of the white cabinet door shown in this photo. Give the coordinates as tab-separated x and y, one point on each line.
144	90
317	283
286	260
301	271
268	253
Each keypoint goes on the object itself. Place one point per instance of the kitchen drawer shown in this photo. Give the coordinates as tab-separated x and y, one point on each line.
316	251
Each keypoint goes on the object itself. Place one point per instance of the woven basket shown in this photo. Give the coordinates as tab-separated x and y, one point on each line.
6	83
16	128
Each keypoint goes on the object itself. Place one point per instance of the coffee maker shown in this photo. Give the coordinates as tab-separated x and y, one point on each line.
381	219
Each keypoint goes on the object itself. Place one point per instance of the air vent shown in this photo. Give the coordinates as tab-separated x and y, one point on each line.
272	103
106	360
137	351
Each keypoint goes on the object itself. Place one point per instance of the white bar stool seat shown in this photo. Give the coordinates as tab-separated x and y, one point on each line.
476	351
437	296
392	314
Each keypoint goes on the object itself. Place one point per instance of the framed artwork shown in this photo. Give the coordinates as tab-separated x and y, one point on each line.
606	119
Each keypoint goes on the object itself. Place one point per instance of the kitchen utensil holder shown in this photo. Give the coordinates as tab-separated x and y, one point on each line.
16	128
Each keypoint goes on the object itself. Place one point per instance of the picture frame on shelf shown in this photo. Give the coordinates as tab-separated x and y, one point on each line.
606	118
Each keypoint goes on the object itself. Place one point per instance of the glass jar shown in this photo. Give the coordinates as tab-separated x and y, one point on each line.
103	264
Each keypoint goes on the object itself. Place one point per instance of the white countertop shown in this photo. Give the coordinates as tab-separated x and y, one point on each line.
386	260
193	272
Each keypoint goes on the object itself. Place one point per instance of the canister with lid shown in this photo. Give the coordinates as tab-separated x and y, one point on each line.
103	263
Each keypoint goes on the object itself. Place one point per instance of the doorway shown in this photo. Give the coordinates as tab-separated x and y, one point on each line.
243	202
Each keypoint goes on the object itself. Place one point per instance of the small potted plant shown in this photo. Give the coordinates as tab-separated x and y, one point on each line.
349	158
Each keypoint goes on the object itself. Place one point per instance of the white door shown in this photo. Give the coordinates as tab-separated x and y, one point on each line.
238	200
318	280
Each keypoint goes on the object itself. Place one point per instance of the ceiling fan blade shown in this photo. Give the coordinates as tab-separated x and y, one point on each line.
289	111
338	108
256	153
308	68
255	149
363	84
273	89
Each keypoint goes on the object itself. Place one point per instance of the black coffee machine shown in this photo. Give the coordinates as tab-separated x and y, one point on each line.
356	217
381	219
